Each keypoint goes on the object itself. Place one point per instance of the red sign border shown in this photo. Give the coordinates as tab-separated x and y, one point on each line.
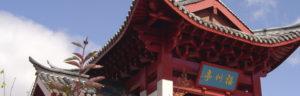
217	66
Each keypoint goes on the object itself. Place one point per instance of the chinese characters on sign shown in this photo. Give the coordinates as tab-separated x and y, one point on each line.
218	78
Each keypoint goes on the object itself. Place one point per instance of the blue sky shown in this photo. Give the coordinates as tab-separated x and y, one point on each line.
44	29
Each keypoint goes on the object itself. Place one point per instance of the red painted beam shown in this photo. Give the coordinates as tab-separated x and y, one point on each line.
242	93
132	82
151	87
179	64
245	79
161	16
151	68
199	91
143	80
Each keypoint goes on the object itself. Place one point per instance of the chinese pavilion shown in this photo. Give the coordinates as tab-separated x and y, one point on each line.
183	48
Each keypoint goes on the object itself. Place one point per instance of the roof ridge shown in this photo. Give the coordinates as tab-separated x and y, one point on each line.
233	14
39	67
279	28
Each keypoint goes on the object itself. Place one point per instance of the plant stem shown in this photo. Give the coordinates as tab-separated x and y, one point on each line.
81	68
78	83
83	57
4	83
12	86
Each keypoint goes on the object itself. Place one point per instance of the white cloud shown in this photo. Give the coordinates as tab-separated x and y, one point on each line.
21	38
294	58
262	7
261	2
297	21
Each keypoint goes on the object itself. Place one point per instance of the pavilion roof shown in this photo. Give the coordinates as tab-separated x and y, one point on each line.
288	36
58	75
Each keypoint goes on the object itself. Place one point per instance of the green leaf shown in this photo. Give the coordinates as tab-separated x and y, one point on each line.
73	63
3	85
67	90
77	44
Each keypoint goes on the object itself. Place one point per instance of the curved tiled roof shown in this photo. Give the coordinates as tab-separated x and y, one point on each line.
117	35
61	76
40	68
229	32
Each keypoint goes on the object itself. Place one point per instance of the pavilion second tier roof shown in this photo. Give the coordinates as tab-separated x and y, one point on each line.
288	36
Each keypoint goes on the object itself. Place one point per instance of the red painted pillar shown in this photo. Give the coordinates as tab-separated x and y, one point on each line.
143	80
164	68
256	85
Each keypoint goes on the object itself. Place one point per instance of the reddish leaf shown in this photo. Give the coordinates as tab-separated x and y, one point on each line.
92	66
78	55
73	63
76	58
96	79
77	44
72	58
94	84
69	59
86	41
90	55
97	67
